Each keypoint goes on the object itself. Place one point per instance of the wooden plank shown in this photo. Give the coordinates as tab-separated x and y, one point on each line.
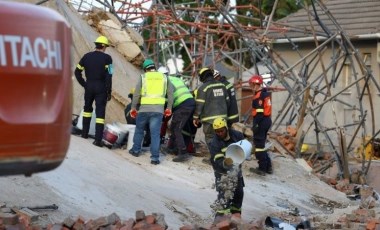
281	148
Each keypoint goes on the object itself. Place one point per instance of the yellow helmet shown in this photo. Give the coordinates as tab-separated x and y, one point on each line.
203	70
219	123
205	73
102	40
132	91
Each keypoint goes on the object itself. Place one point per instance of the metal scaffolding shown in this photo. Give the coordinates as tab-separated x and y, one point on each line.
210	34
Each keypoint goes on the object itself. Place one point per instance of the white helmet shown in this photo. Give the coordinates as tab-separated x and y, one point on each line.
164	70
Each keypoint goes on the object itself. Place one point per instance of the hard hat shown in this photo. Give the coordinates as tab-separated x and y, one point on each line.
304	148
205	73
216	73
164	70
204	69
219	123
256	79
102	40
148	63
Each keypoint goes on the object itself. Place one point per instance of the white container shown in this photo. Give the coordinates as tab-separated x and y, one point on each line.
124	126
123	130
111	134
239	151
131	133
92	124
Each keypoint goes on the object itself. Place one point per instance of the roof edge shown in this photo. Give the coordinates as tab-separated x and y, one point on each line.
321	38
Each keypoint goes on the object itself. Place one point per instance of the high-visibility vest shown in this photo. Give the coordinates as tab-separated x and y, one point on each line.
261	103
153	88
181	92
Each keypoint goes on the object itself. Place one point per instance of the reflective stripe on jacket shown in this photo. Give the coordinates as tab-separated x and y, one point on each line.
261	103
153	89
212	101
233	111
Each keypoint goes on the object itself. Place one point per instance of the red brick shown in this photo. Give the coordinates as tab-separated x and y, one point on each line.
126	228
9	218
155	227
140	225
129	223
79	225
371	225
150	219
186	227
55	227
223	225
291	131
360	212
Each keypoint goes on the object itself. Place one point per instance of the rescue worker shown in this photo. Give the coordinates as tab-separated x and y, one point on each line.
230	199
98	69
150	92
233	111
212	101
261	114
127	109
131	120
183	109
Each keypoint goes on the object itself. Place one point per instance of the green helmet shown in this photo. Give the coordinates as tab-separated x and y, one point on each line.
148	63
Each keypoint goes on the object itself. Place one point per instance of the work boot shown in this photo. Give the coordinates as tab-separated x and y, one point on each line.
257	171
155	162
182	157
168	150
98	143
133	153
270	170
84	135
206	161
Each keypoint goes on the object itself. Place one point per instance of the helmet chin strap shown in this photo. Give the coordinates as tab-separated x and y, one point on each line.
227	136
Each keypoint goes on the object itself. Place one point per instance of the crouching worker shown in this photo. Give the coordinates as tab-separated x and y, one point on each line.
230	197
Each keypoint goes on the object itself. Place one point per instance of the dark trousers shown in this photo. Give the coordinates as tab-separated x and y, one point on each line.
95	92
259	140
180	118
235	202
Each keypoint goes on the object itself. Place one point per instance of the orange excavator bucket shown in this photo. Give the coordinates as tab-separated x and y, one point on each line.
36	88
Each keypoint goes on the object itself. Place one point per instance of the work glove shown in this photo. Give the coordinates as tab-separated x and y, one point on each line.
133	113
228	163
167	113
196	122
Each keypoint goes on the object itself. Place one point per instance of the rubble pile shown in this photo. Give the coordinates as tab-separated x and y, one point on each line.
25	218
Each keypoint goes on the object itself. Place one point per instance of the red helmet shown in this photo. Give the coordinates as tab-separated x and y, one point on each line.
256	79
